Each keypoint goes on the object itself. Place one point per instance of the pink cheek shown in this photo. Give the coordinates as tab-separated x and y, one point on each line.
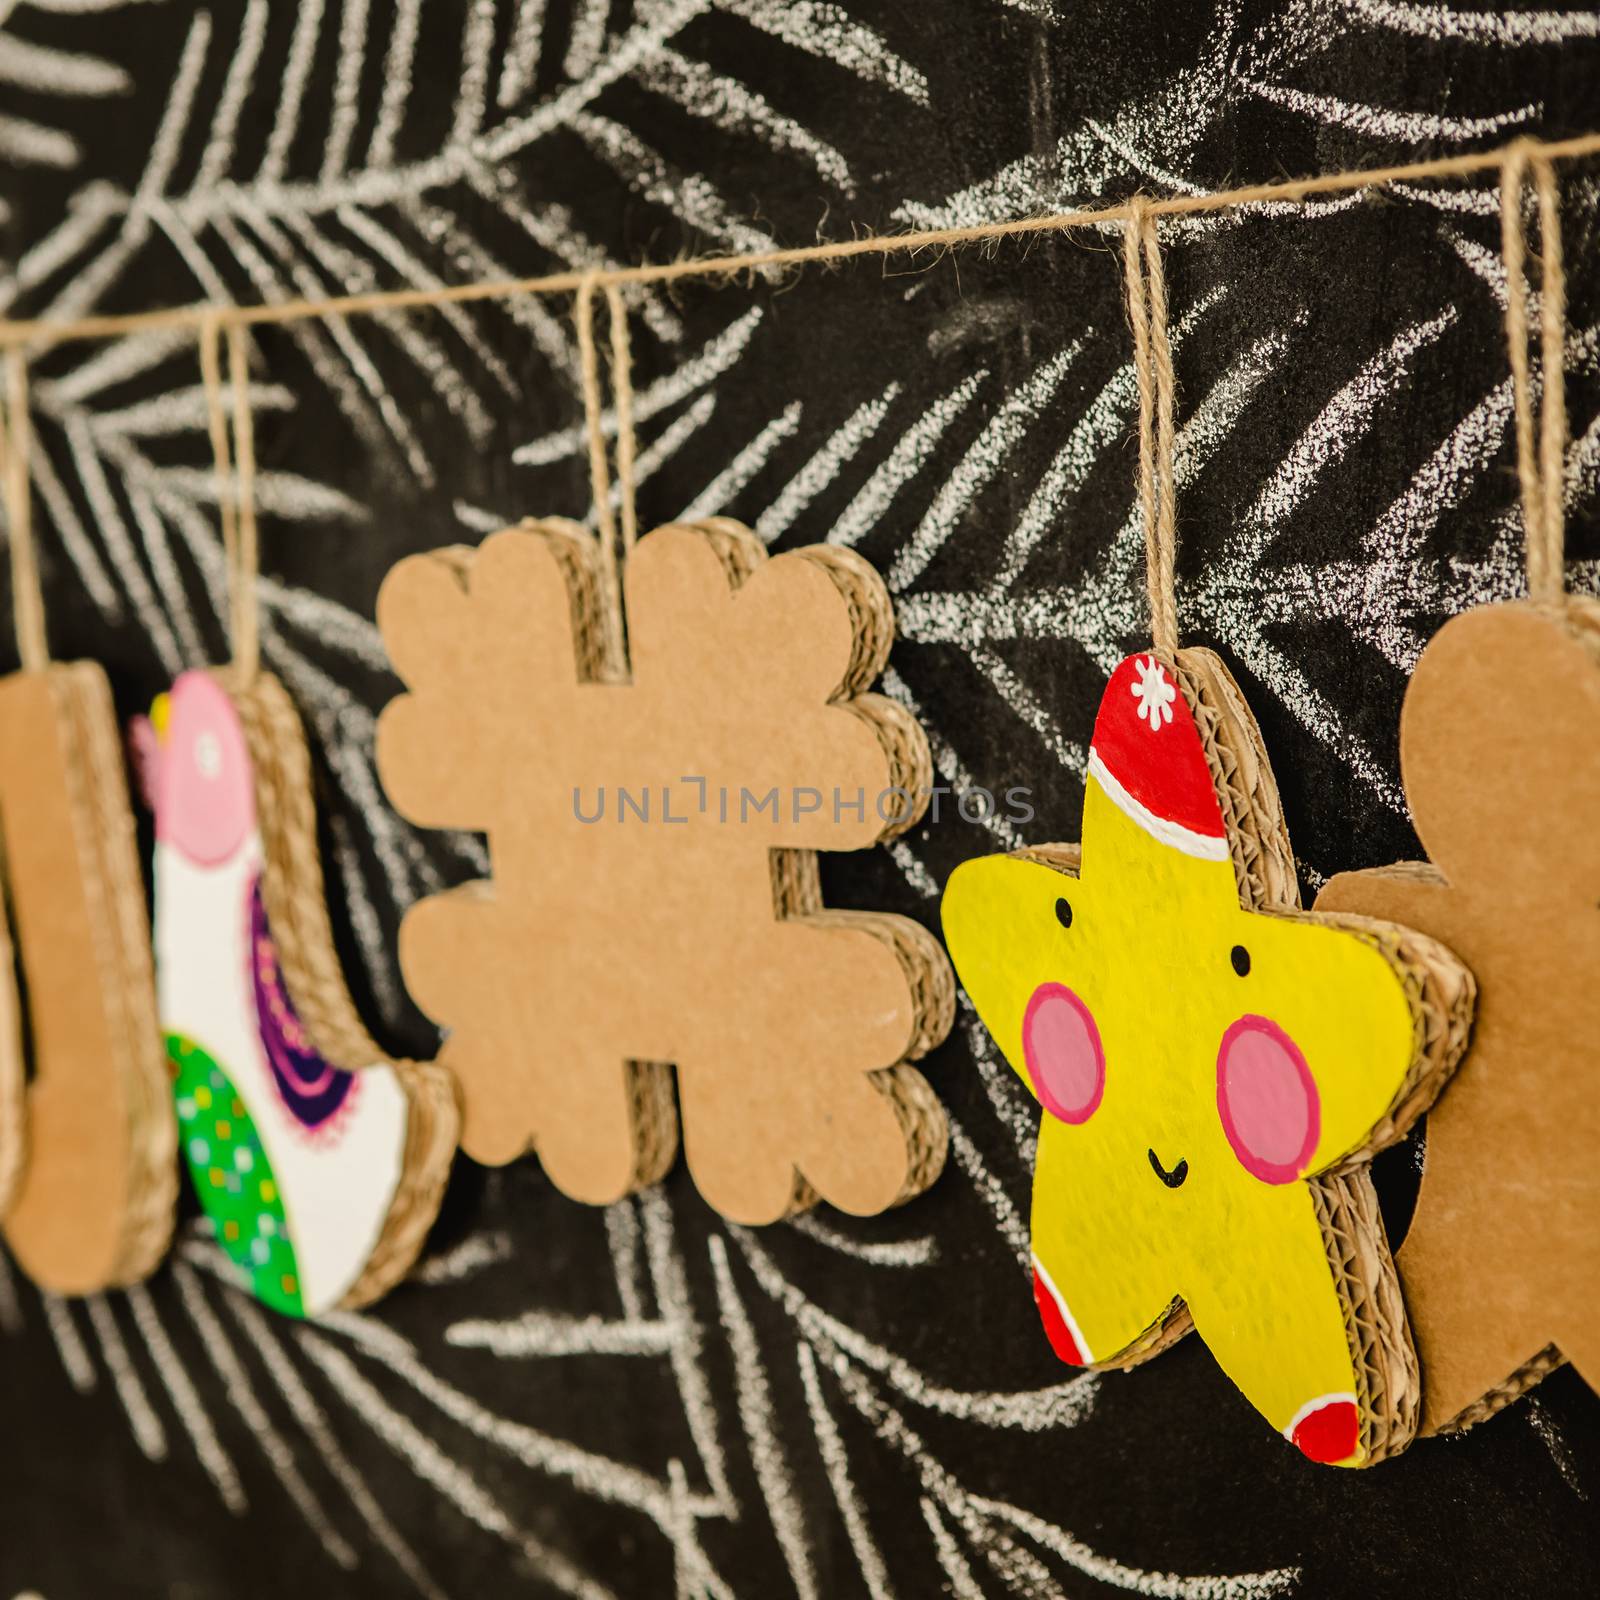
1267	1100
1061	1049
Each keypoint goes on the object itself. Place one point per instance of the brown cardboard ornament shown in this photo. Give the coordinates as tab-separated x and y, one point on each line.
13	1068
95	1204
655	896
1500	749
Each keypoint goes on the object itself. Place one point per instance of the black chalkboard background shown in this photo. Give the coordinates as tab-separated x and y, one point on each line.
834	1407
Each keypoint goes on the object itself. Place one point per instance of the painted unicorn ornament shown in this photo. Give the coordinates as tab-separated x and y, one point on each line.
320	1163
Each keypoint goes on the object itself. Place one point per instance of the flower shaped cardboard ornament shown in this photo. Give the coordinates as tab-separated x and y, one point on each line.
1214	1065
321	1163
655	896
1500	747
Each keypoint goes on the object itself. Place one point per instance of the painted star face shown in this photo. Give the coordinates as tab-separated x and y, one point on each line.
1196	1063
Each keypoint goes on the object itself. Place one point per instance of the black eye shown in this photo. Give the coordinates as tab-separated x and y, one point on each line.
1240	957
1064	913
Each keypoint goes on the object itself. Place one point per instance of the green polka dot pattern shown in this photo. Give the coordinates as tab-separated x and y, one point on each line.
233	1177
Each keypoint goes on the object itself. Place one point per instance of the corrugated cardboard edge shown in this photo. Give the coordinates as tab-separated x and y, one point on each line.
433	1121
1440	994
1388	1379
293	891
1526	1377
292	884
13	1066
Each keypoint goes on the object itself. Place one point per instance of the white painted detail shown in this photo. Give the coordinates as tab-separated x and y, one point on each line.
1314	1405
1205	846
1066	1312
336	1192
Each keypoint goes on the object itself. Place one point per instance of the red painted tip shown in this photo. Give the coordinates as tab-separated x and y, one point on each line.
1330	1433
1055	1325
1146	737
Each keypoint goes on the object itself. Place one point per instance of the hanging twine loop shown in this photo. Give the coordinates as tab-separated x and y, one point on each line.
606	518
16	440
1156	385
235	488
247	562
1542	445
622	390
222	464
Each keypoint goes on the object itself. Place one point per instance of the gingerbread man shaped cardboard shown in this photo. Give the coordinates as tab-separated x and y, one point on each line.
1500	748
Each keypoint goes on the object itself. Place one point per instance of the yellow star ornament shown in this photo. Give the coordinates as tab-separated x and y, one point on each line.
1214	1066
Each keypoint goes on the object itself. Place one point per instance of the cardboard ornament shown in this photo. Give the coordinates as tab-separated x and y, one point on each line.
91	1203
1500	749
320	1162
13	1068
655	904
1214	1067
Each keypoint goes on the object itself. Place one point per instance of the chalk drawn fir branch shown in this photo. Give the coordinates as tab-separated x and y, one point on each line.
1390	596
35	69
230	217
347	192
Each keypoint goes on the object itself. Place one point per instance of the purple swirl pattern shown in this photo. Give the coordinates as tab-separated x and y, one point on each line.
312	1089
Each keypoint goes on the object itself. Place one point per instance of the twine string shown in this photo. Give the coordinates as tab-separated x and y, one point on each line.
235	486
1290	191
1513	251
27	593
243	585
1553	393
1540	451
222	463
1541	444
599	467
1157	386
622	391
606	519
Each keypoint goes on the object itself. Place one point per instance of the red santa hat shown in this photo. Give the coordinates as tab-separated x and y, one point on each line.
1148	759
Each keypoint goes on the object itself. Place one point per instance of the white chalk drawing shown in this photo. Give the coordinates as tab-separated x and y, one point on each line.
353	188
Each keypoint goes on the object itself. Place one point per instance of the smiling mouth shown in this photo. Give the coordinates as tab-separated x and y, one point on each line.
1173	1179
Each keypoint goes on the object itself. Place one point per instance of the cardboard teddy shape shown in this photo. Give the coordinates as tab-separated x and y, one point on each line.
601	950
1214	1066
321	1163
92	1206
1500	748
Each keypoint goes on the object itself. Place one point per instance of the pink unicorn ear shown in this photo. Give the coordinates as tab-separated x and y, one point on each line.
145	754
